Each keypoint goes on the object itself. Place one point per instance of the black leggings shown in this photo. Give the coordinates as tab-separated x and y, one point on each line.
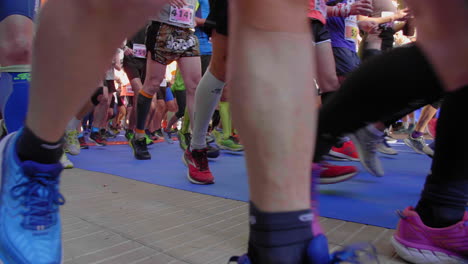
385	89
181	103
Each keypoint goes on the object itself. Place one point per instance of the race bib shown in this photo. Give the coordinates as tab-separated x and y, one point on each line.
351	29
127	90
139	51
182	15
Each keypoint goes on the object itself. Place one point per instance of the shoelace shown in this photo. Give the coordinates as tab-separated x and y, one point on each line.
74	138
41	197
201	159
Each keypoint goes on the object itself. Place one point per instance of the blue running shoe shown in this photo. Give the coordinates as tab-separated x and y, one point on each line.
317	253
30	228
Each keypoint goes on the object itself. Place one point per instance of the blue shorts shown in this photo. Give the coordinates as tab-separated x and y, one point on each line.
169	95
346	61
27	8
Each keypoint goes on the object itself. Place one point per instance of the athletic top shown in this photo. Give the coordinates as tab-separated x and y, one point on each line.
137	44
203	11
381	8
179	17
179	84
318	10
343	30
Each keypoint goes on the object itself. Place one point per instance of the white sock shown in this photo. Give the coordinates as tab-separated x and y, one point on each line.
371	128
207	97
406	125
73	124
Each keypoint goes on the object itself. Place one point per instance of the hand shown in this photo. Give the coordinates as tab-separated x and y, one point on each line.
128	51
178	3
402	15
371	27
363	7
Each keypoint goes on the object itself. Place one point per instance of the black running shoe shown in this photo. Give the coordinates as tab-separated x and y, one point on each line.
97	138
140	149
212	152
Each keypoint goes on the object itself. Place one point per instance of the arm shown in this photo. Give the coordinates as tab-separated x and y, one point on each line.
363	7
199	21
118	63
400	15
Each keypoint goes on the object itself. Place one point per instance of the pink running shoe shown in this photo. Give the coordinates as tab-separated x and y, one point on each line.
420	244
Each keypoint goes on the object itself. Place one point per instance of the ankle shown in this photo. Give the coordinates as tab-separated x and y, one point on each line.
30	147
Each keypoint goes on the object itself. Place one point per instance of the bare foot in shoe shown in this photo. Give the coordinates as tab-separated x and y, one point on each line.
443	36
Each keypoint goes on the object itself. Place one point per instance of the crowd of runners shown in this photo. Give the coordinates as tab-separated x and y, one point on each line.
305	81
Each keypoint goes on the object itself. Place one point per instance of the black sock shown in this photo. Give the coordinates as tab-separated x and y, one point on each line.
31	147
326	97
143	107
445	195
279	237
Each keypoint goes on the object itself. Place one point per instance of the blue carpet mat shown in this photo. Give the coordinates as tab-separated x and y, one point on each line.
364	199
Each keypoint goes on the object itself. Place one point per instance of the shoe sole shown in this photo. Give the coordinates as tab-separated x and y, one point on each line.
229	149
338	179
341	156
420	256
329	157
190	178
408	143
360	153
3	146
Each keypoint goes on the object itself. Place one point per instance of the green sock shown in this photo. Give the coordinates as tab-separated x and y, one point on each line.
224	112
185	123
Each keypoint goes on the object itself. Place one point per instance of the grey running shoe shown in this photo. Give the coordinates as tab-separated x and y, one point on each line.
384	148
167	136
366	144
419	145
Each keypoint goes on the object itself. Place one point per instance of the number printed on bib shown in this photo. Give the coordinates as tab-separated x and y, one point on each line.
139	51
182	15
351	29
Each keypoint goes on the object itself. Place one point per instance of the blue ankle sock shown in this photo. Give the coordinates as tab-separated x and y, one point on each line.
279	237
80	135
94	129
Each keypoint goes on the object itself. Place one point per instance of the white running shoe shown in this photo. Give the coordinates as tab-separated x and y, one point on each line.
66	163
72	145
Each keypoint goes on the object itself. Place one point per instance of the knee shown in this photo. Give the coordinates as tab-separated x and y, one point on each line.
160	105
218	68
172	106
17	50
329	83
191	83
151	85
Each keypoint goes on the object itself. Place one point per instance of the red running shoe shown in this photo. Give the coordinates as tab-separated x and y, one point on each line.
347	151
198	169
331	174
431	127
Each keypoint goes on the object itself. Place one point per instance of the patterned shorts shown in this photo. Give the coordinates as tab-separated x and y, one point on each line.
168	43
